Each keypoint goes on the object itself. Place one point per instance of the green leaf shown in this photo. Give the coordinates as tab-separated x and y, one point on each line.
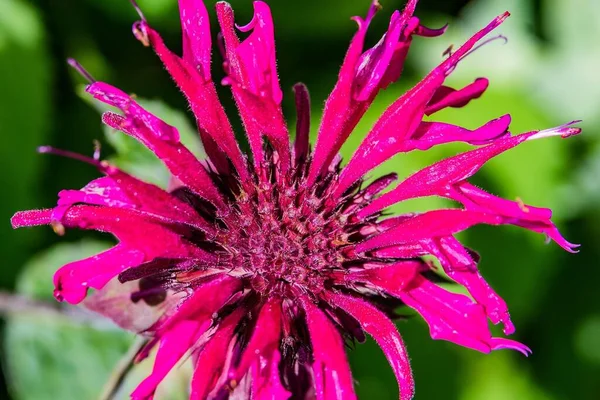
71	355
24	121
58	356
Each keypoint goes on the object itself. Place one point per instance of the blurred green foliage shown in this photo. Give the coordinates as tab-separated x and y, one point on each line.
545	76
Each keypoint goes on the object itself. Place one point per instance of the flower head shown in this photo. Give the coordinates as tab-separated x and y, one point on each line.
263	269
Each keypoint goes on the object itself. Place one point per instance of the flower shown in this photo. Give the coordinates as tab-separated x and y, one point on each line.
262	270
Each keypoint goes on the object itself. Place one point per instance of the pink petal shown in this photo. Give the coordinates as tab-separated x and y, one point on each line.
174	344
204	301
266	384
159	137
212	357
252	73
383	331
332	376
72	280
121	190
197	43
460	266
430	134
31	218
437	178
362	75
450	316
400	121
397	275
265	338
215	130
431	224
447	97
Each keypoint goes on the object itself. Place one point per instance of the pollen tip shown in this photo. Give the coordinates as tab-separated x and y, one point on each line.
44	149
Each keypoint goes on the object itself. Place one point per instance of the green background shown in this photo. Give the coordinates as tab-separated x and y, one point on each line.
546	75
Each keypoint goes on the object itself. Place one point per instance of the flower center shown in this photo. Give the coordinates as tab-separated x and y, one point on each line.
281	241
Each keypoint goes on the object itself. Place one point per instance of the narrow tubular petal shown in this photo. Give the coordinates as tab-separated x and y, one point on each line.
400	121
435	179
265	338
266	381
384	332
215	129
205	300
431	224
362	75
447	97
119	189
430	134
174	344
450	316
213	356
31	218
460	266
195	26
332	376
160	138
252	73
301	145
72	280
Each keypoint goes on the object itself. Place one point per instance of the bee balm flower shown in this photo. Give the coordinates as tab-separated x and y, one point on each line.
263	266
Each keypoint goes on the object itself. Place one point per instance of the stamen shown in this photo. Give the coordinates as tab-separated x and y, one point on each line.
138	10
82	71
504	38
70	154
563	131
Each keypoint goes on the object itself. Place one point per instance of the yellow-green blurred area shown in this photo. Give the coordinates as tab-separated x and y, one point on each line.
546	75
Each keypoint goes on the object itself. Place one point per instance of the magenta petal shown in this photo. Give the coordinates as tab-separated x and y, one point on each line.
159	137
397	275
72	280
265	338
362	75
206	300
383	331
174	344
215	130
447	97
430	134
266	384
437	178
257	54
31	218
432	224
211	359
332	376
251	71
450	316
400	121
197	44
460	266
